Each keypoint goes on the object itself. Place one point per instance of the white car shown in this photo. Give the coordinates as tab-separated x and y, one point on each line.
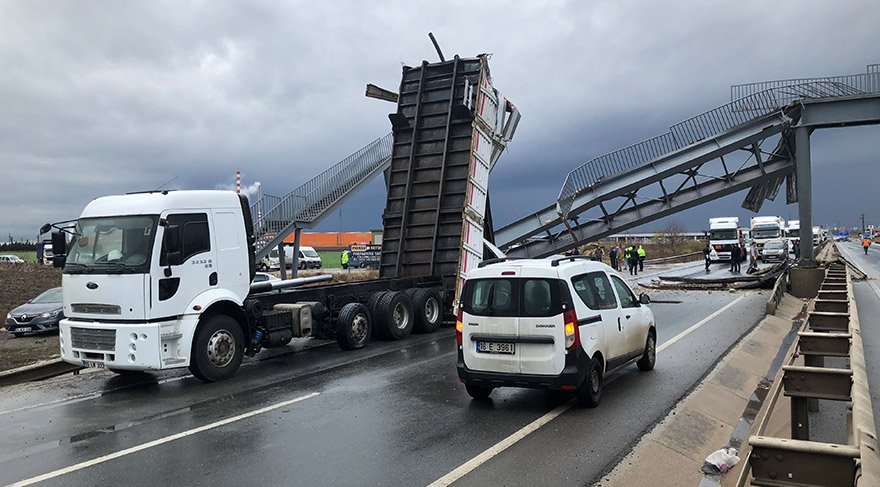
559	323
11	259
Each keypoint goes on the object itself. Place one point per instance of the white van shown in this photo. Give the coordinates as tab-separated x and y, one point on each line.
558	323
308	259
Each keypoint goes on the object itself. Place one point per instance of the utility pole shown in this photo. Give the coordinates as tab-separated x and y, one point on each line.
863	224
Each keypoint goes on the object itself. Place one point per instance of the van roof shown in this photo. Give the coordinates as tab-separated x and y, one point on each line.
548	265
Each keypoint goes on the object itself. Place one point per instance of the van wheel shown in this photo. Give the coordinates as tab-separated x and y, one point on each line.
353	326
428	310
478	392
217	349
650	356
590	392
394	316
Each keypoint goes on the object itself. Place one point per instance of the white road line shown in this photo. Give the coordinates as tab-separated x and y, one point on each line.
698	324
530	428
499	447
160	441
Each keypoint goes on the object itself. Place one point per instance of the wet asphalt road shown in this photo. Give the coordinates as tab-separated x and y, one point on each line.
391	414
867	295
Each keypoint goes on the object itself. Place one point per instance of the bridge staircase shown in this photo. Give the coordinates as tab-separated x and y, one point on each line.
275	217
747	143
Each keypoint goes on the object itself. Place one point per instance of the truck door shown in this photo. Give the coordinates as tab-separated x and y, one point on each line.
183	266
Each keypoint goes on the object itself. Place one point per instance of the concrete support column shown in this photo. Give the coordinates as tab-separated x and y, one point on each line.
294	261
805	196
282	262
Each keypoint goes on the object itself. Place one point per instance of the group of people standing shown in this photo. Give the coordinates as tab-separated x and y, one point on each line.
632	257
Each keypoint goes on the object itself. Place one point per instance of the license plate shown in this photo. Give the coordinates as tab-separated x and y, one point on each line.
93	365
495	347
23	329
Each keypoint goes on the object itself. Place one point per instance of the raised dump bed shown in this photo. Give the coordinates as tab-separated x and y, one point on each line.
449	129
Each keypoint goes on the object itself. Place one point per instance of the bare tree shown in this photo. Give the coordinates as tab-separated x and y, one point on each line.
673	233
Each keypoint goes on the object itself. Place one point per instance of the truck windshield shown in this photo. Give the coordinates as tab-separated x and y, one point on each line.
766	232
723	234
112	245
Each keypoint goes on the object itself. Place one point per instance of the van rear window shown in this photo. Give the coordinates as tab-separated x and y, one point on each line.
527	297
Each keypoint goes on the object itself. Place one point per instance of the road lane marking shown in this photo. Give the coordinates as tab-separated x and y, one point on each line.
698	324
499	447
530	428
160	441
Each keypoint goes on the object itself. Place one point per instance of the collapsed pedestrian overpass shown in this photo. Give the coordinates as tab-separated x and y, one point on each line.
759	140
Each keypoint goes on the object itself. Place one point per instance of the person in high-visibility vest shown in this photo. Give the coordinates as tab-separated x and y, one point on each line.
344	259
642	255
865	244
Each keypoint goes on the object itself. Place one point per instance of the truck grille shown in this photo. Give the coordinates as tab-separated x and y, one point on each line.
93	339
96	309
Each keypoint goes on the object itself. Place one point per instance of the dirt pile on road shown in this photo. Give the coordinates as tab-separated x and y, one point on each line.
18	284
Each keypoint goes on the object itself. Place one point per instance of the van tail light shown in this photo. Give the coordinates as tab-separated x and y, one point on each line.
458	327
572	335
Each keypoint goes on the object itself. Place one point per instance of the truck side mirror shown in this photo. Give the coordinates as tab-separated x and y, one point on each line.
59	249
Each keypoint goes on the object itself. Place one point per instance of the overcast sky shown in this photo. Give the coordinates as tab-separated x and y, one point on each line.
101	98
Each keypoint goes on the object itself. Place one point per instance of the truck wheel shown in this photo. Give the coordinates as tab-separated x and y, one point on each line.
353	326
478	392
372	306
590	391
428	310
394	313
217	349
646	363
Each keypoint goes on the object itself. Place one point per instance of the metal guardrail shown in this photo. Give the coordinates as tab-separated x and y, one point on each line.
777	294
750	101
831	330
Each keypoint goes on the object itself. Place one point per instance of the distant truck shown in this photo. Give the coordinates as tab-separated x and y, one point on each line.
793	232
766	228
724	234
44	252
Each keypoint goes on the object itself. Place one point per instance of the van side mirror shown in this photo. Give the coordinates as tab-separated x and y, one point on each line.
59	249
644	299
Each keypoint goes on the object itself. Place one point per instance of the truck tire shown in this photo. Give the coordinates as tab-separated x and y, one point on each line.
394	316
646	363
353	326
590	391
428	310
217	349
372	303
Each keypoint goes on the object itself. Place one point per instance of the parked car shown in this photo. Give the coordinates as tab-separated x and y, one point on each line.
263	277
37	315
11	259
559	323
775	250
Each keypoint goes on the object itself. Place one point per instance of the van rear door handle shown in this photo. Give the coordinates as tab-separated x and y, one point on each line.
627	316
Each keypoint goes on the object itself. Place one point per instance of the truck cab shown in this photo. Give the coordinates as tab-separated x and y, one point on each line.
145	273
723	237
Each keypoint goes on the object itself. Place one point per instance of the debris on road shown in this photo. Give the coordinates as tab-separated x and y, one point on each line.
720	461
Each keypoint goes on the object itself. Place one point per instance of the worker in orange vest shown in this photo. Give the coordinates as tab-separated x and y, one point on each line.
865	244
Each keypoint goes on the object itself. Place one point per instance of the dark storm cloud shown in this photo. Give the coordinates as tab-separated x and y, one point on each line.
106	97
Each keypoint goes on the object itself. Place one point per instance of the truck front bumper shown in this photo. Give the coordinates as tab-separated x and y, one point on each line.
126	346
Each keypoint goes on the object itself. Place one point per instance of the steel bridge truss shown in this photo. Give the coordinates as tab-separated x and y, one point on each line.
758	154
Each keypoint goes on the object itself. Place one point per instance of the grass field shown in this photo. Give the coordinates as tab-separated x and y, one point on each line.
29	256
331	259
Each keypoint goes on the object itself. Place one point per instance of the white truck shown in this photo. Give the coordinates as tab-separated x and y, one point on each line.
792	232
160	280
765	228
723	236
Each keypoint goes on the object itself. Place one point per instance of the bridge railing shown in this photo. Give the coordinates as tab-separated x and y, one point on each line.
830	330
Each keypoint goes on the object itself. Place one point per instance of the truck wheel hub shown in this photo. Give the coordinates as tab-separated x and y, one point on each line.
221	348
401	316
